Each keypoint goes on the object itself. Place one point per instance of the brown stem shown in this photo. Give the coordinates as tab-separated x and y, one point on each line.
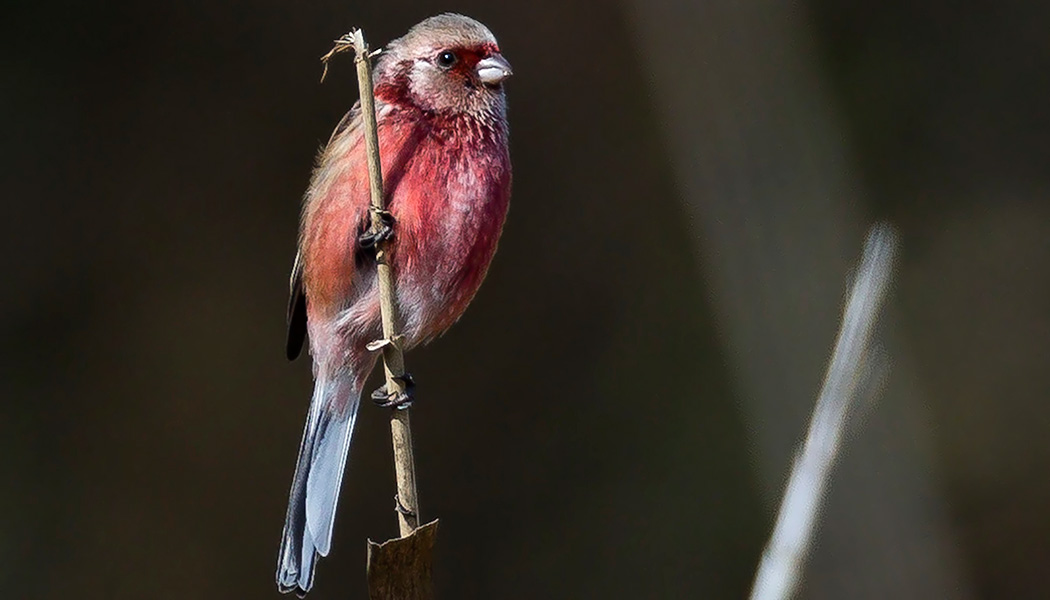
393	357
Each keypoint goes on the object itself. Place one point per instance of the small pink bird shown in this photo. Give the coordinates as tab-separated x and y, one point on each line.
442	122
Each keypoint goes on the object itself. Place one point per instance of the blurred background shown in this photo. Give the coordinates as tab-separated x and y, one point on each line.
616	414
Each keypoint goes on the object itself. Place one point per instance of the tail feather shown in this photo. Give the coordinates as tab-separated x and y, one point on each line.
318	477
331	447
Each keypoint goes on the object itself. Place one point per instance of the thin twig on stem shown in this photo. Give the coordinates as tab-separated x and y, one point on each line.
850	373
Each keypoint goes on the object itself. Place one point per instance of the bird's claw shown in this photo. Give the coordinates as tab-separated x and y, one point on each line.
398	400
385	217
406	380
370	237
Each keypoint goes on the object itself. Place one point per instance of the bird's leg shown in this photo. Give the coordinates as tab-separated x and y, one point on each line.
383	398
370	237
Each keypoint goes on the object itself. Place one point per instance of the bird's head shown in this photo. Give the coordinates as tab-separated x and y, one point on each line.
448	64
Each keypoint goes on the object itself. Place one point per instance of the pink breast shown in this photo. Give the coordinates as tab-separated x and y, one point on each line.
450	207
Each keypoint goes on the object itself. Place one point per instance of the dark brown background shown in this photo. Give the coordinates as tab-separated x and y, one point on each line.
594	427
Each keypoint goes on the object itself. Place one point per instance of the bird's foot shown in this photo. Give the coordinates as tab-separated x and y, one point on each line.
371	236
384	398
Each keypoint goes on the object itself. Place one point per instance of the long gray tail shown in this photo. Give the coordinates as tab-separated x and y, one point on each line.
318	475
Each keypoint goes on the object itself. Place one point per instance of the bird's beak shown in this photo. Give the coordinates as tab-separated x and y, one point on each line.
493	70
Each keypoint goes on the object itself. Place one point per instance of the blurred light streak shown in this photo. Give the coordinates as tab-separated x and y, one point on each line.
850	368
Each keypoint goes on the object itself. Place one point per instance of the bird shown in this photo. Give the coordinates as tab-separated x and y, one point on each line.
441	116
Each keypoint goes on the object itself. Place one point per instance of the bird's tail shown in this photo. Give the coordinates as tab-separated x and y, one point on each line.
318	475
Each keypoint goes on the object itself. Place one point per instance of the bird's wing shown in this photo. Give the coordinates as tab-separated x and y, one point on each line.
349	127
296	310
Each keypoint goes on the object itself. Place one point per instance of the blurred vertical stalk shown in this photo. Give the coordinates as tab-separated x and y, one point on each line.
850	368
762	167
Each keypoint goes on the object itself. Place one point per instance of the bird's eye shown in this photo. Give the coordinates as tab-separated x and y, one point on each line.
446	59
